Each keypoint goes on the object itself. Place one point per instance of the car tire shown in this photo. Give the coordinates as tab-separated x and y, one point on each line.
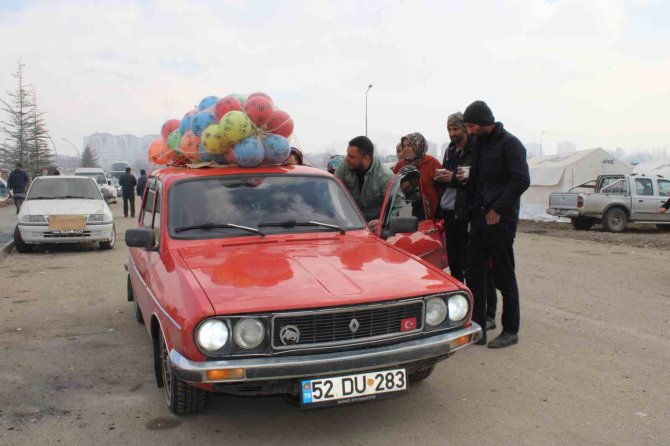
19	244
615	220
180	397
581	224
136	307
109	244
421	374
664	228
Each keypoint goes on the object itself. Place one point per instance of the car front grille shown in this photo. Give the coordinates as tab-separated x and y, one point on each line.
341	326
50	234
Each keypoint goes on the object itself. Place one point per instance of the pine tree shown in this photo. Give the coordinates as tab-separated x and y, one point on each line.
38	149
17	127
89	158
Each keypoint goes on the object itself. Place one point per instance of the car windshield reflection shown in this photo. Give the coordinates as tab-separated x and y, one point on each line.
64	188
211	207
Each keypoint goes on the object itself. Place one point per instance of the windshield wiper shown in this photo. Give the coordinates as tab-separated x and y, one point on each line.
73	196
293	224
219	226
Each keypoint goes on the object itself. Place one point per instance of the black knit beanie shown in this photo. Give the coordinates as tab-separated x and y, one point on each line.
478	113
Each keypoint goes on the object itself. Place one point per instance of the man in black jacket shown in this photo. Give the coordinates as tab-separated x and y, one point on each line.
128	183
141	183
498	178
17	183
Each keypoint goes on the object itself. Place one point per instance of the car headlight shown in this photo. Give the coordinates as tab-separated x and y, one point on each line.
99	218
436	311
33	219
458	307
212	335
249	333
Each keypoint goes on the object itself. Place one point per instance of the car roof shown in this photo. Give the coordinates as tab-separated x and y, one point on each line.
172	174
59	177
88	170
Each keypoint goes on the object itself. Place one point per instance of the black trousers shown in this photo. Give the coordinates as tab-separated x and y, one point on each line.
129	198
491	295
495	242
456	233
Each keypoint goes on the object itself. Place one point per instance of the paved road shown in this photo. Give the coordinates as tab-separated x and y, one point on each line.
591	366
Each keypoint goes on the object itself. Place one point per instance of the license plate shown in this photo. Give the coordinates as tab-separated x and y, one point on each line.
72	232
352	388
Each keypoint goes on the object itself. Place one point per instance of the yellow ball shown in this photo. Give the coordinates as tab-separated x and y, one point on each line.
212	139
236	125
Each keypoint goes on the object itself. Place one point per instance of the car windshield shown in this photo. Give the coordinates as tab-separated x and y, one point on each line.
62	188
99	178
212	207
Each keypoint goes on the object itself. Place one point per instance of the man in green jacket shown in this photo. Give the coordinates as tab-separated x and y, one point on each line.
364	176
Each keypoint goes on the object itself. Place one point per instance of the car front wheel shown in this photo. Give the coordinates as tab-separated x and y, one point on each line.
180	397
109	244
19	244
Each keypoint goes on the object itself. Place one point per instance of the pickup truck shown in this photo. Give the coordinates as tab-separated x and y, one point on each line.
616	200
268	281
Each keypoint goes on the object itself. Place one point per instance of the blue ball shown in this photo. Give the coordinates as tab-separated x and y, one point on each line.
207	102
249	152
203	155
201	121
277	149
185	124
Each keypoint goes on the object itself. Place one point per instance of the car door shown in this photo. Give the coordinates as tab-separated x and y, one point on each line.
404	201
141	257
662	195
646	200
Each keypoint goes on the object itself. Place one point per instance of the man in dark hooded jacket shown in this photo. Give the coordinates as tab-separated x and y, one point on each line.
17	183
498	178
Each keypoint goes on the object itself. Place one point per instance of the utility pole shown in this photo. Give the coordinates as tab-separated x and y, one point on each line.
366	109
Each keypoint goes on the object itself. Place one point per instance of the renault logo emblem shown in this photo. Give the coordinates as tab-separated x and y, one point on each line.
289	335
353	325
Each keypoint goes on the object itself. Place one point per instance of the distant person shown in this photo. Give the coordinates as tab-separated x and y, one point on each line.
414	152
141	183
56	171
17	183
366	178
296	157
398	151
498	178
128	183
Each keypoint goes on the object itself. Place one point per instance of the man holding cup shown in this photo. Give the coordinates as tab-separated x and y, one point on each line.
498	178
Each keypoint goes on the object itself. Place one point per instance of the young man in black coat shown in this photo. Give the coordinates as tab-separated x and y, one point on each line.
498	177
128	183
17	183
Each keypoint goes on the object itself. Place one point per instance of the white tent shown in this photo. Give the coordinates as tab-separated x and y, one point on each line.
558	173
656	167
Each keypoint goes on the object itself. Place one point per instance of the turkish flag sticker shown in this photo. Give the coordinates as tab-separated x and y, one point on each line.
408	324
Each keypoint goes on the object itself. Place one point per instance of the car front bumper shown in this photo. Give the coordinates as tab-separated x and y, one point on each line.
42	234
274	368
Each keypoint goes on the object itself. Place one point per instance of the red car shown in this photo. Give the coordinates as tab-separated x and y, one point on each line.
267	281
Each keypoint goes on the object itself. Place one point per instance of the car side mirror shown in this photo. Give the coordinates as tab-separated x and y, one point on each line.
140	238
403	225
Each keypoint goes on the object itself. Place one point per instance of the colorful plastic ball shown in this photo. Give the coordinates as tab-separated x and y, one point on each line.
226	104
203	155
189	145
169	126
259	109
213	139
219	158
260	94
174	140
186	123
201	121
280	124
240	97
156	149
207	102
249	152
277	149
235	126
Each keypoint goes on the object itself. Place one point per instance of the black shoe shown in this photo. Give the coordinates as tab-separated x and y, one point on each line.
482	341
503	340
125	216
490	324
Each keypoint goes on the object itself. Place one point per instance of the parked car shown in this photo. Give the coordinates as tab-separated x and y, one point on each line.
105	185
271	283
616	200
4	192
64	209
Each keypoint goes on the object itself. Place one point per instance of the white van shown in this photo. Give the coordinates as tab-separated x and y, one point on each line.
104	183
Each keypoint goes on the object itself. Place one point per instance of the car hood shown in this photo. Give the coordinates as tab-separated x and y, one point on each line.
63	207
268	275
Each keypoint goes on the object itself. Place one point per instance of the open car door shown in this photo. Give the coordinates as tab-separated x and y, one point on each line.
405	223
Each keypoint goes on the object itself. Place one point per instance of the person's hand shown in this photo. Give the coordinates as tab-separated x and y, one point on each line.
443	175
492	217
372	225
662	210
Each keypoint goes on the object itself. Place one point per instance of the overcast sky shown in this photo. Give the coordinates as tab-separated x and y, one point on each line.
594	72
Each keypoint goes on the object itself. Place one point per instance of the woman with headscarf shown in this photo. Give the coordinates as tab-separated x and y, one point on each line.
414	148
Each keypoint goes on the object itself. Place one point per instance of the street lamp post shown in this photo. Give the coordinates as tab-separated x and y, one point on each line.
75	149
541	151
366	109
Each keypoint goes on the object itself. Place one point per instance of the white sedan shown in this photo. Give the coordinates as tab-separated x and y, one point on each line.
64	209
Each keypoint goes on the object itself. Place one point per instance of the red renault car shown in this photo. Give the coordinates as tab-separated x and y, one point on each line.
267	281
